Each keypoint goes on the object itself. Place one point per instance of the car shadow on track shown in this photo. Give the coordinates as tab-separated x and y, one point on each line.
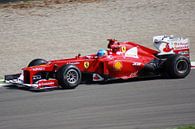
14	87
110	82
90	83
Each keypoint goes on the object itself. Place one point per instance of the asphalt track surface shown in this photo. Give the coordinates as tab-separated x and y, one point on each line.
144	104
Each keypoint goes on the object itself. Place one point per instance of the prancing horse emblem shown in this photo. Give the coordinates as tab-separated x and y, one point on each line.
86	65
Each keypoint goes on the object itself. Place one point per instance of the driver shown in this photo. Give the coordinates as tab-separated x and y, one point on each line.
101	53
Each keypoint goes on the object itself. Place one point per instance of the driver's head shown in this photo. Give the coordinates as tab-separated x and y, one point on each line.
101	52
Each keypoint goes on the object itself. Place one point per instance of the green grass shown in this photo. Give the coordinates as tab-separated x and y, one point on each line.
1	81
187	127
184	127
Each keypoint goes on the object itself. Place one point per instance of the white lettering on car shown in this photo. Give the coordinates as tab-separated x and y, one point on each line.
38	69
134	74
46	83
136	64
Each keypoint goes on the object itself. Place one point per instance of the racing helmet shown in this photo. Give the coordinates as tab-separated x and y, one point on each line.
101	52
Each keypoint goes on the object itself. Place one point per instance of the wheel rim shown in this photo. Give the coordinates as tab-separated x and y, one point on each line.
72	76
182	66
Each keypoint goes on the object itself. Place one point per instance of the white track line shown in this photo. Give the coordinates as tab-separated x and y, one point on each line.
3	84
193	64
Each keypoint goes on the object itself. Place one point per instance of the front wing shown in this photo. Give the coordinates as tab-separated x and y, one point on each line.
17	80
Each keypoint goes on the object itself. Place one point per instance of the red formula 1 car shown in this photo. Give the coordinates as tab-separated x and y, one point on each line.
122	60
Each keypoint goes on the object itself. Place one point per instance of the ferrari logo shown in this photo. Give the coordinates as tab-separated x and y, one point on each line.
86	65
118	65
123	49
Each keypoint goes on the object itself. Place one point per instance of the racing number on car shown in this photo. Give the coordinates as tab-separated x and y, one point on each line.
86	65
123	48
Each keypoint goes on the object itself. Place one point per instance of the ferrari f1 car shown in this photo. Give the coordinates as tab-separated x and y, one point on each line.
122	60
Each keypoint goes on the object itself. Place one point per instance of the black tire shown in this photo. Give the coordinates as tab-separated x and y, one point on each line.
177	66
36	62
69	76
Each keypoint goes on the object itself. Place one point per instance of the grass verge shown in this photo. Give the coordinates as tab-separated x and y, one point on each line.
184	127
1	81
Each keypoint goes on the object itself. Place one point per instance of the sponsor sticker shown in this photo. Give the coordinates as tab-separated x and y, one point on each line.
136	64
74	63
38	69
118	65
167	48
46	83
86	65
134	74
181	45
123	48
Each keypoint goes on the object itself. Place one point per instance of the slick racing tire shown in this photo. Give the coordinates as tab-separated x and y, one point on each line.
36	62
69	76
177	66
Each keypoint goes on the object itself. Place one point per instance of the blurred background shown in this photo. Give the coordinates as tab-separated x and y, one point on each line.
54	29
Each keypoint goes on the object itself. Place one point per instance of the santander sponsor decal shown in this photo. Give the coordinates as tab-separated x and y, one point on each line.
181	45
46	83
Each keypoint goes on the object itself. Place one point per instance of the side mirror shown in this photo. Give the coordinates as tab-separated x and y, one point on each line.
78	55
111	42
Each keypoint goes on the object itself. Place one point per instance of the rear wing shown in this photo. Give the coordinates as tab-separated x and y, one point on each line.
172	45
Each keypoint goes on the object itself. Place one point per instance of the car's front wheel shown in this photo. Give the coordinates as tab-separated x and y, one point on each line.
36	62
69	76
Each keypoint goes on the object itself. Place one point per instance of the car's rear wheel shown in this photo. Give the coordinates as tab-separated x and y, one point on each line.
69	76
36	62
177	66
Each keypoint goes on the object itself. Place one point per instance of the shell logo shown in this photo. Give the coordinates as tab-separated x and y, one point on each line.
118	65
